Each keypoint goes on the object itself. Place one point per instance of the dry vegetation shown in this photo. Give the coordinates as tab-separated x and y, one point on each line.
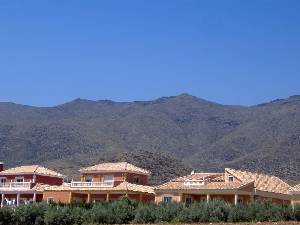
204	135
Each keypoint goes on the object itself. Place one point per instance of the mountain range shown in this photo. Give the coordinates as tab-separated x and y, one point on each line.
169	136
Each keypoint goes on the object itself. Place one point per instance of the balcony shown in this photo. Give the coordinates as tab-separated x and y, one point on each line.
78	184
11	186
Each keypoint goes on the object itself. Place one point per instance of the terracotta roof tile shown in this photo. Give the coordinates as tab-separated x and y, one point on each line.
134	187
120	166
262	182
32	169
213	181
198	176
124	186
296	189
179	185
40	187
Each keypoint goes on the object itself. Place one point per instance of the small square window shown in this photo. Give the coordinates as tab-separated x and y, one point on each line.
136	180
108	180
188	201
2	180
19	179
50	200
230	178
89	179
167	199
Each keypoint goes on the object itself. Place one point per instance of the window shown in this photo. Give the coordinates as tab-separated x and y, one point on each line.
50	200
2	180
136	180
193	182
167	199
188	201
109	179
88	179
19	179
230	178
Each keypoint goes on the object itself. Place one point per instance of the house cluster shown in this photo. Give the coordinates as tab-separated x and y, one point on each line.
111	181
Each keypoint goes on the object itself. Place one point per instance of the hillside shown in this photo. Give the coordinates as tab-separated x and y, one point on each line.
202	134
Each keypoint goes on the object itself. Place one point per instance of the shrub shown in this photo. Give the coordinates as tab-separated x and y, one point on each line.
287	212
267	211
194	213
167	212
297	212
123	211
239	213
64	216
145	213
126	211
6	216
100	213
30	214
216	211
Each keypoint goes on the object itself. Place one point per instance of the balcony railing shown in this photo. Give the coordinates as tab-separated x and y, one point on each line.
92	184
15	186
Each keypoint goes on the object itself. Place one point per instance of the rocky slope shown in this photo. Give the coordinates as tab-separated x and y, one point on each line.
202	134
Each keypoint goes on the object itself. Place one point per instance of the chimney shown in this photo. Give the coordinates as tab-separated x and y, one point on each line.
1	166
193	172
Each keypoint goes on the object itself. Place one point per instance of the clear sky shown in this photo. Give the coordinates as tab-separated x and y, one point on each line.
231	52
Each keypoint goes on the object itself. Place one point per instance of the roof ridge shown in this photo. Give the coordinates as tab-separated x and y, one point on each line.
36	168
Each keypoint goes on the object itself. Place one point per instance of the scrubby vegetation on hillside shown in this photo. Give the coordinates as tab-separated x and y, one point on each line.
204	135
125	211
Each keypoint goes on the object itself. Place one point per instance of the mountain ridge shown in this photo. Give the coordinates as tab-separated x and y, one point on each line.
204	135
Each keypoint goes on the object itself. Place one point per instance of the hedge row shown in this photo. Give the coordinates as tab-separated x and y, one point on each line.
126	211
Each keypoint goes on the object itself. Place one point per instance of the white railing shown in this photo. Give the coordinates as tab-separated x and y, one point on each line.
92	184
15	186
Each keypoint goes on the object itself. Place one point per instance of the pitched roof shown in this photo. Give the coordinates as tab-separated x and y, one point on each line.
40	187
262	182
212	181
173	185
124	186
134	187
295	189
32	169
114	167
199	176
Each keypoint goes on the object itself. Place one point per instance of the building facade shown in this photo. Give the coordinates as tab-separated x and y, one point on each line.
296	194
112	181
25	184
233	186
104	182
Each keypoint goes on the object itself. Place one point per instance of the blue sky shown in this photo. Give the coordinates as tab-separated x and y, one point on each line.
231	52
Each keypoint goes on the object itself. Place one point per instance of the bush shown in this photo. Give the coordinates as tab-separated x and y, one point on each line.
267	211
145	213
216	211
116	212
30	214
193	213
6	216
64	216
167	212
239	213
126	211
297	212
123	211
288	212
100	213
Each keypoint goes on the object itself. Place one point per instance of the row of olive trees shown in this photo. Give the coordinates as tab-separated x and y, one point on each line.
126	211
